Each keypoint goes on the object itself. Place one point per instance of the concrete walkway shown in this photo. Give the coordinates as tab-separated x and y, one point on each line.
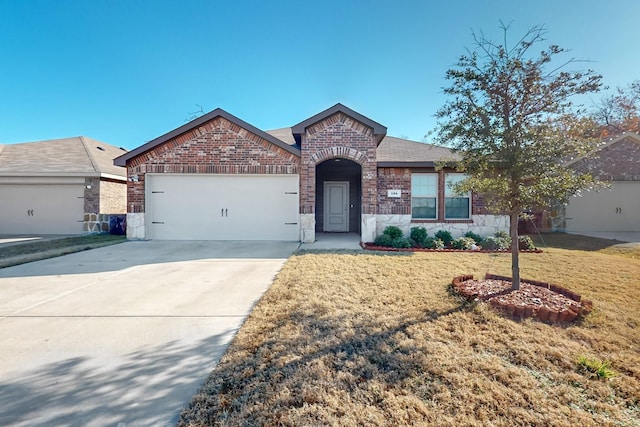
123	335
331	241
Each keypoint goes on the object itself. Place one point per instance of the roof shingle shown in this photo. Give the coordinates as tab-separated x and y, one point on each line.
398	150
392	150
74	155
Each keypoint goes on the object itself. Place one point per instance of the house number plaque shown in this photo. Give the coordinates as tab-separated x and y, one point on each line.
394	193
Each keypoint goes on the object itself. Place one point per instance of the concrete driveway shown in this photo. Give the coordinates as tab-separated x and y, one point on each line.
123	335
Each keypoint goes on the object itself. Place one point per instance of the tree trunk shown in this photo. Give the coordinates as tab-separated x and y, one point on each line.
515	250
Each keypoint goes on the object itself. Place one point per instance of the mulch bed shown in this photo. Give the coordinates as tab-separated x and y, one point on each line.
371	247
543	301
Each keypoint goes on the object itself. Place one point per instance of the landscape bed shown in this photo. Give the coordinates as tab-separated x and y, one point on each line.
543	301
370	246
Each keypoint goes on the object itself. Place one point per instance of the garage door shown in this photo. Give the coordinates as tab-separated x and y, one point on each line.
617	209
222	207
41	208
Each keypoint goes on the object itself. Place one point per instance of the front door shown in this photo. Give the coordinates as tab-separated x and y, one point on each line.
336	206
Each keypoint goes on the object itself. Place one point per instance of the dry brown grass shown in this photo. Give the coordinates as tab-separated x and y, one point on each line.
377	340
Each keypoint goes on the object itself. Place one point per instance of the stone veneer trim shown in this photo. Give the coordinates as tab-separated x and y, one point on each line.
484	225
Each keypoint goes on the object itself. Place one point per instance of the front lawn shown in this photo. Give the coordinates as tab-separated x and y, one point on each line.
377	339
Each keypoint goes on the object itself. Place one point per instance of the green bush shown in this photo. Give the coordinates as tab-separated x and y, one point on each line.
445	236
419	235
493	243
502	235
463	243
525	242
433	243
393	231
400	242
476	237
383	240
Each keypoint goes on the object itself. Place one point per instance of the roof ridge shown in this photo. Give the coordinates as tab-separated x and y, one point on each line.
86	149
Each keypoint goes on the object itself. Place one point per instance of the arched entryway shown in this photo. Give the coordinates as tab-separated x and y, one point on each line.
338	196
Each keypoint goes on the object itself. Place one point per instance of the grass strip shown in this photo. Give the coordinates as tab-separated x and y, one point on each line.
21	253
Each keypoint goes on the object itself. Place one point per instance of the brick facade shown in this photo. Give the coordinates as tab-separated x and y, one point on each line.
338	136
112	197
215	147
394	179
104	196
219	143
400	179
618	162
92	195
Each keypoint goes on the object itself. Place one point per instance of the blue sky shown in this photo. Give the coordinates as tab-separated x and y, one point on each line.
125	72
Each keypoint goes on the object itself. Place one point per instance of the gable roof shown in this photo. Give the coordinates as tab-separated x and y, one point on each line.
218	112
75	156
633	136
379	131
397	152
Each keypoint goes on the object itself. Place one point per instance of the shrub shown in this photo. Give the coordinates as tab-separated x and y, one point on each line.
400	242
476	237
496	243
433	243
413	243
419	235
463	243
383	240
502	235
393	231
445	236
525	242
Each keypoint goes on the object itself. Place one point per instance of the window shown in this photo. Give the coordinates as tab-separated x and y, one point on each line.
424	195
456	206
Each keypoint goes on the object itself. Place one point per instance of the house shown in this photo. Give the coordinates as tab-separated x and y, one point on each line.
61	186
220	178
616	208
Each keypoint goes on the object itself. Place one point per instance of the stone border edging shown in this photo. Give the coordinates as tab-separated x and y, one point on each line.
372	247
541	313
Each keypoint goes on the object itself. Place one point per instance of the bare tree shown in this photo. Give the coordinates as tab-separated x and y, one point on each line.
619	112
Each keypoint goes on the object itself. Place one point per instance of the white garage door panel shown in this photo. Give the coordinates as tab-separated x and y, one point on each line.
617	209
41	209
222	207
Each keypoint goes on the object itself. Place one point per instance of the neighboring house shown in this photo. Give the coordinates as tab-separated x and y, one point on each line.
61	186
220	178
611	209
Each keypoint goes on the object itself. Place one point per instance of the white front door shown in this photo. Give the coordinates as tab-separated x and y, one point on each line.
336	206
